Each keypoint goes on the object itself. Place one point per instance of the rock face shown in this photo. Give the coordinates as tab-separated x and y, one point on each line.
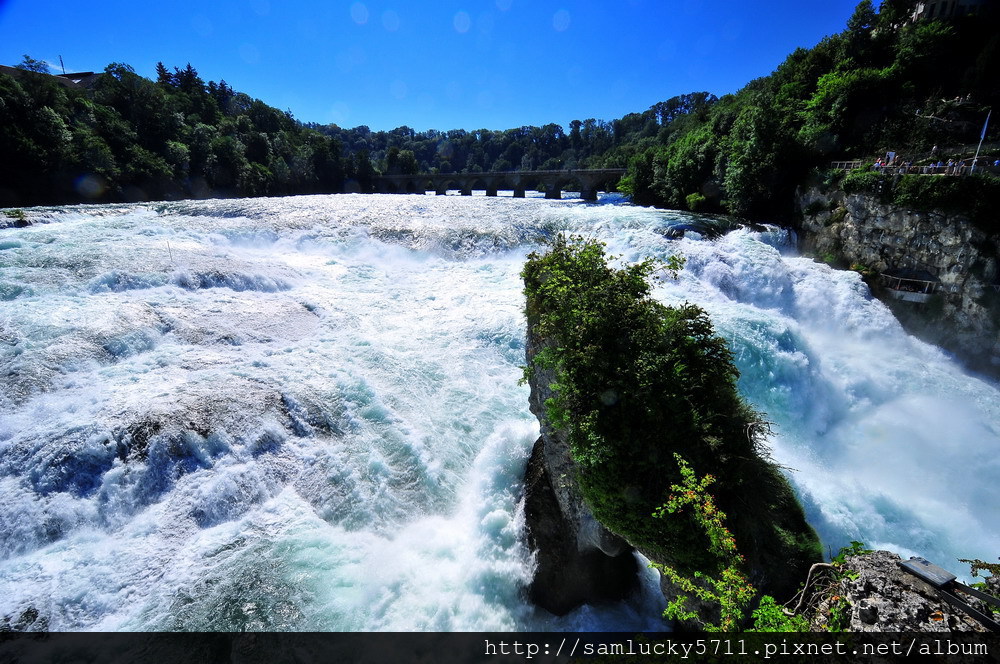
884	598
570	569
965	315
555	455
578	560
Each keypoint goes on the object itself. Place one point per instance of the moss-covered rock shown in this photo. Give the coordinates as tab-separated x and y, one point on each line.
629	383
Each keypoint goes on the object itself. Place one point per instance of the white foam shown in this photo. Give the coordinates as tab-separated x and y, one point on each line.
303	413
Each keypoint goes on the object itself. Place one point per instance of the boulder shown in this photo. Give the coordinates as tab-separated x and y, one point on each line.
885	598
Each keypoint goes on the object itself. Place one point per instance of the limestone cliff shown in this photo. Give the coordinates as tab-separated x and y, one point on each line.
964	315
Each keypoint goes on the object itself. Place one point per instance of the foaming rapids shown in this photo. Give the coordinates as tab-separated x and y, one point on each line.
888	441
304	413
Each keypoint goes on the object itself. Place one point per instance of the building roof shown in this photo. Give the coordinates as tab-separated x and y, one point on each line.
84	79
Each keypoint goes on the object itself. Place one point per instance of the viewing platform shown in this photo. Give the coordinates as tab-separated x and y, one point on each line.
909	285
984	164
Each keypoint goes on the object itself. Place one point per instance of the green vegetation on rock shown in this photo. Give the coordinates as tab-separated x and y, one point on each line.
729	589
975	196
637	382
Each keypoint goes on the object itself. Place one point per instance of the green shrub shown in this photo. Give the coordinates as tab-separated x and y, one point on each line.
637	382
770	617
838	614
832	177
865	271
863	181
729	588
695	201
729	592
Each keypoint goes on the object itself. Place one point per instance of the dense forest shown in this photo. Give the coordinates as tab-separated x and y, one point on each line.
886	83
125	137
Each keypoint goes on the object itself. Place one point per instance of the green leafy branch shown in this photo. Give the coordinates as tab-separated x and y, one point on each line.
729	588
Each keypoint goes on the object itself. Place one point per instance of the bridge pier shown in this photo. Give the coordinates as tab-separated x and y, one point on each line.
518	192
466	190
589	186
553	192
491	190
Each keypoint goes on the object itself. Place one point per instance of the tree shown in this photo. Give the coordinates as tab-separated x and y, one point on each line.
407	163
575	137
230	165
392	161
187	80
753	169
30	64
163	77
863	19
327	163
142	103
893	14
859	31
364	172
179	157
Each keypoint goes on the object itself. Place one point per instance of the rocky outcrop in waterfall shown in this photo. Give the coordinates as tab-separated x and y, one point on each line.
628	393
578	561
964	314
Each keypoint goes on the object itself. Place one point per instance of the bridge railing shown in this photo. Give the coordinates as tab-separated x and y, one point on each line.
570	172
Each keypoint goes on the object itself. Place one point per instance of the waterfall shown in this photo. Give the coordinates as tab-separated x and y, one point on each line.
304	413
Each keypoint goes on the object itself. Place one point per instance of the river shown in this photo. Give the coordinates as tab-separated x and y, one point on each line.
304	413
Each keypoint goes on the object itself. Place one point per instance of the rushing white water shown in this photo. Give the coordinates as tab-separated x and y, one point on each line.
303	413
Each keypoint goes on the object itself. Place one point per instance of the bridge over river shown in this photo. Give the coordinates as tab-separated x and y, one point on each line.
553	183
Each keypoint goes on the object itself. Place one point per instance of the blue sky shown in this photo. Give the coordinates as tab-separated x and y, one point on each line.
466	64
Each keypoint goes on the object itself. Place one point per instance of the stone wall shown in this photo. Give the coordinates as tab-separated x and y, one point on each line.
964	315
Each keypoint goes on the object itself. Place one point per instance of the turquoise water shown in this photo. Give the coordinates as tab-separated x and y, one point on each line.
303	413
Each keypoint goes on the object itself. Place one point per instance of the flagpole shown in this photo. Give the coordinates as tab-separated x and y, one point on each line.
981	137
